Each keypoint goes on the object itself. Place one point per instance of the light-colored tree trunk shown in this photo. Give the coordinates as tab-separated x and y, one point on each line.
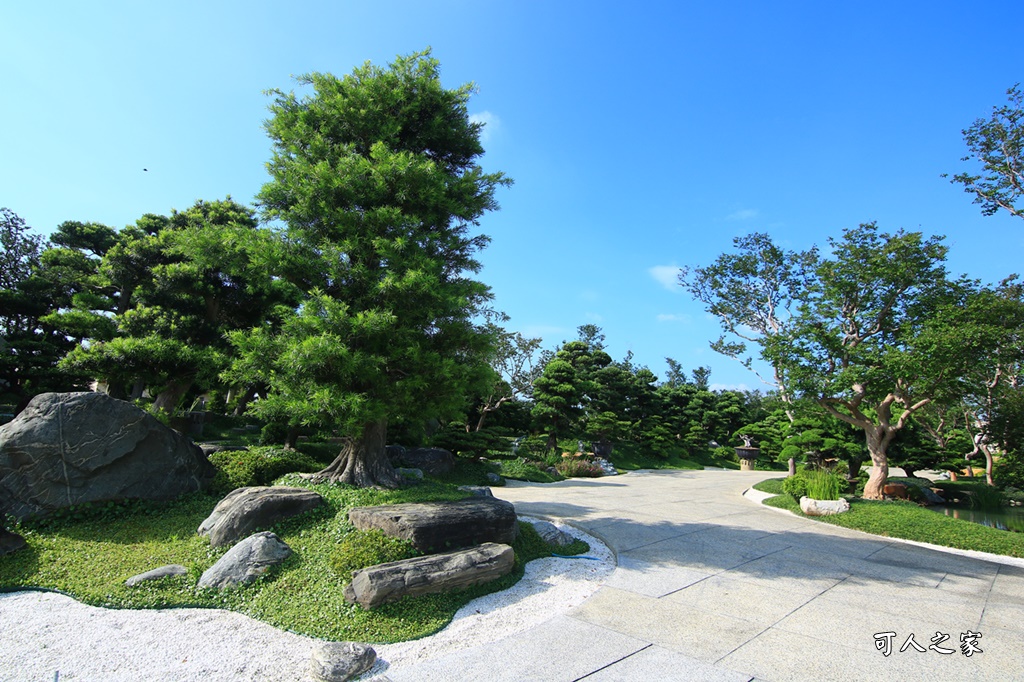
877	438
363	461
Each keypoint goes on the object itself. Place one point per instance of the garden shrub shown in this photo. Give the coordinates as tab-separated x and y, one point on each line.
522	470
257	466
572	467
795	486
823	485
362	548
454	438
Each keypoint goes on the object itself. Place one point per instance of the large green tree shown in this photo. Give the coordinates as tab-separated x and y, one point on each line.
376	177
753	293
867	345
178	284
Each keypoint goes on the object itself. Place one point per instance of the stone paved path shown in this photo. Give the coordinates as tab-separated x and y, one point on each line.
712	586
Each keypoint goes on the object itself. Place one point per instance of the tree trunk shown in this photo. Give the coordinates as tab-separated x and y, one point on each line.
878	438
362	461
168	399
291	438
250	394
988	463
792	466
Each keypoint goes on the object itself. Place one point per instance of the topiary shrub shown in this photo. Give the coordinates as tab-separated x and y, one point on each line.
256	466
362	548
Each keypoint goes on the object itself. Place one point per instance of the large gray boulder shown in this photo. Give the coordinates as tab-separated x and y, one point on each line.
442	526
71	448
244	510
431	574
246	561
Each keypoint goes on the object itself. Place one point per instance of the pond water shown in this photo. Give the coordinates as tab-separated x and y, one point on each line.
1007	518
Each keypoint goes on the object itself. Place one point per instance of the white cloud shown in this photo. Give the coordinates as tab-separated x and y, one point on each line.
742	214
728	387
667	276
492	124
668	317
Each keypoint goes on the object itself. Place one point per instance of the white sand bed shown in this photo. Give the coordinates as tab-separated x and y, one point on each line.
47	636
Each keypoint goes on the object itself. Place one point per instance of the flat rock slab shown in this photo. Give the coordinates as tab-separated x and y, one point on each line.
246	561
71	448
442	526
156	574
431	574
244	510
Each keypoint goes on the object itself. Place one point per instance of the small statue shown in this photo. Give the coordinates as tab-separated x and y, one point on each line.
747	440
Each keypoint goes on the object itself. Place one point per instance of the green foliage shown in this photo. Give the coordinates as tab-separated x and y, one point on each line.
997	144
521	470
823	485
454	438
772	486
795	486
362	548
816	484
970	494
908	521
260	465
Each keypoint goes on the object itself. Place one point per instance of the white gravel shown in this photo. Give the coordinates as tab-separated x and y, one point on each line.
46	636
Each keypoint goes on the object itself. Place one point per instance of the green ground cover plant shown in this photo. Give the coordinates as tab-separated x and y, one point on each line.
908	521
88	553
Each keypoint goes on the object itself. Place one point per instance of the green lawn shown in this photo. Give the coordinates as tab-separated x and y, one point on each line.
906	520
89	555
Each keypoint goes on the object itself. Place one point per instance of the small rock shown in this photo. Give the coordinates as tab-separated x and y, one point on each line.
340	661
10	542
607	467
156	574
551	534
415	474
823	507
246	561
494	479
477	490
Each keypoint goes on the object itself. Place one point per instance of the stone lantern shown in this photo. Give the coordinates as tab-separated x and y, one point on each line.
747	454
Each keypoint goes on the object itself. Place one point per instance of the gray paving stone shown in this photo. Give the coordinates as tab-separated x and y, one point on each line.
562	649
703	635
657	663
652	579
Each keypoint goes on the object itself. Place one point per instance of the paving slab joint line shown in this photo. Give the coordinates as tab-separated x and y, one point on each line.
603	667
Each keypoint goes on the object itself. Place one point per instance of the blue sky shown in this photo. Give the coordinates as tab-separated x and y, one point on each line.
640	138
